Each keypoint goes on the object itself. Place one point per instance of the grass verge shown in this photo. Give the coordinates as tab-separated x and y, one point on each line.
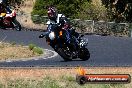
35	49
56	78
9	51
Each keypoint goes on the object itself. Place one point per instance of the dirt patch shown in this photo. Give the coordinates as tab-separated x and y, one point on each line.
11	51
24	16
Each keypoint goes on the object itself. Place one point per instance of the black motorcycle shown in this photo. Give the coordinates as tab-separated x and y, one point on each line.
68	51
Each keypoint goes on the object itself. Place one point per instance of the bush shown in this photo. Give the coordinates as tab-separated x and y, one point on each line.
35	49
38	8
74	9
93	12
38	50
31	46
68	7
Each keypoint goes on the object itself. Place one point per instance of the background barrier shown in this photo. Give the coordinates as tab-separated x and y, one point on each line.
93	27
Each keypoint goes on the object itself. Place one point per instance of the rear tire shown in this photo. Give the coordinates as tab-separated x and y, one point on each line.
61	52
84	54
17	25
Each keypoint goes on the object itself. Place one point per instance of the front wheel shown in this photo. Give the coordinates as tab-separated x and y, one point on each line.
16	25
63	54
84	54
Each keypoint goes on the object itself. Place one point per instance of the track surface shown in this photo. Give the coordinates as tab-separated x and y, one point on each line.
105	50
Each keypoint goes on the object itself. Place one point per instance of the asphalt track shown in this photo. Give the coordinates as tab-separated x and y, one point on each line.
105	51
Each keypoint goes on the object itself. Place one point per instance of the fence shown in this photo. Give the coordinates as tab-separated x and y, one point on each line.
94	27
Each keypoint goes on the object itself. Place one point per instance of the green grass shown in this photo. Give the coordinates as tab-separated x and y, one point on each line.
68	78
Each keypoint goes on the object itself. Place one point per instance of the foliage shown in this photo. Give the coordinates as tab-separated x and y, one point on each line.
35	49
119	10
39	8
111	10
13	2
93	12
74	9
38	50
31	46
69	7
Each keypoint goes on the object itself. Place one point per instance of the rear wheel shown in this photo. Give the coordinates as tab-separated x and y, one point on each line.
17	25
84	54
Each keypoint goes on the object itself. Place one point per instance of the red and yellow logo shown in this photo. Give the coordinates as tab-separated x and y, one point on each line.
83	78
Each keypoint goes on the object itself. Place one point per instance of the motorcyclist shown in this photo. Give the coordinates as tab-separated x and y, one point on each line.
2	12
61	21
62	24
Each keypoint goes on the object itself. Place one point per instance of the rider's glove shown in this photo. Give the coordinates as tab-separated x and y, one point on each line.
41	36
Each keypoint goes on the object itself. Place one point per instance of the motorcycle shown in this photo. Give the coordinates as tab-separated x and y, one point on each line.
68	51
10	21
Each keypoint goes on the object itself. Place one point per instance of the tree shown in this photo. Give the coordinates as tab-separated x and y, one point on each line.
120	10
69	7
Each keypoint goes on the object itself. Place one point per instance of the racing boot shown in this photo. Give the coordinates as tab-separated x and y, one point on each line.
1	23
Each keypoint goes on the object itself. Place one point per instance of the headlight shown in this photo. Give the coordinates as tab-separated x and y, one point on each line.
52	35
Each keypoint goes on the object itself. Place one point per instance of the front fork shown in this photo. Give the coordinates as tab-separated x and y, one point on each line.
12	21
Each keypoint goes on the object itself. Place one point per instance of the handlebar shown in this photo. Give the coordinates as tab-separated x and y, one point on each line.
43	35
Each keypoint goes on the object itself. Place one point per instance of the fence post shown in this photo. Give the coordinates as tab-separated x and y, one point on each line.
130	30
130	33
93	27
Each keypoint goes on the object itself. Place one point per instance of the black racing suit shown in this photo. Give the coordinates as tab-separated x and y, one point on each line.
64	24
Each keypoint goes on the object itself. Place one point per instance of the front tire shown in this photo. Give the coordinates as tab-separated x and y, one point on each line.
84	54
16	25
61	52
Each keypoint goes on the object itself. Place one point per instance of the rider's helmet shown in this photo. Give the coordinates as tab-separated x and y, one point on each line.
52	13
1	5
